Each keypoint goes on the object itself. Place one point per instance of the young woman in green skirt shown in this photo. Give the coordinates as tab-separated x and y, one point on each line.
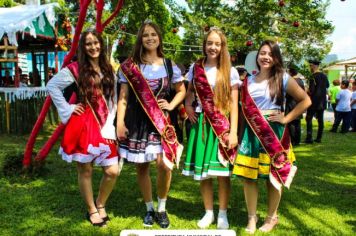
211	105
265	151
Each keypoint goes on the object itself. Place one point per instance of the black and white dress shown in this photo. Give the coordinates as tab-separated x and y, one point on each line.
144	142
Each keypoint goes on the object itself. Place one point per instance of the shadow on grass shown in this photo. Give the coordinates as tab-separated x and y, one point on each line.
324	185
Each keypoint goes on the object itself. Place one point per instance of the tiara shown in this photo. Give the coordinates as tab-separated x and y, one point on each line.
91	29
211	28
215	28
148	21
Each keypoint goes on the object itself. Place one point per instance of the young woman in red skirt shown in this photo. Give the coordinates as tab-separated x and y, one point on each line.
89	137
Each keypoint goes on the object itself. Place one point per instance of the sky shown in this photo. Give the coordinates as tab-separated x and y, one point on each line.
343	17
342	14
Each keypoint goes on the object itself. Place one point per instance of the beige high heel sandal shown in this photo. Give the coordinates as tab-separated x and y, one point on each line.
269	224
253	229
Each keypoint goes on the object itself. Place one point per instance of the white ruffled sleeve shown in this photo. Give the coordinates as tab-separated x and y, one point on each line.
177	75
189	75
235	77
55	86
121	76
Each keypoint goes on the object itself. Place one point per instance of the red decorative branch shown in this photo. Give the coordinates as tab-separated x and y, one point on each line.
116	11
84	4
99	14
31	141
42	154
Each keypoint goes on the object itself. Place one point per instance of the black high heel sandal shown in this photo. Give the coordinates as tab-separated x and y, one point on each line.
106	218
100	224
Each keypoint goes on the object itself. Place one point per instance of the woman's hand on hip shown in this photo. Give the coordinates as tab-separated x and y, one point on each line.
277	117
165	105
79	109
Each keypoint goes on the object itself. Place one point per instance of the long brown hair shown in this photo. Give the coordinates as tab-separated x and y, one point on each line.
222	89
87	72
139	50
275	82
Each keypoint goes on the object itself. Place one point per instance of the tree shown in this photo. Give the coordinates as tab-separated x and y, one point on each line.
7	3
197	19
299	26
125	26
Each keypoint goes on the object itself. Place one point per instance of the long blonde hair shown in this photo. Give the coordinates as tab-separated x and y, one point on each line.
222	89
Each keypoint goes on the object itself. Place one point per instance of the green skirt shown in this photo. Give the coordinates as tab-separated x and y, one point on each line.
202	153
252	161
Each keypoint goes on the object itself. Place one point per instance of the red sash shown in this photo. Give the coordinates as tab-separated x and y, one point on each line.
282	170
100	108
218	121
172	150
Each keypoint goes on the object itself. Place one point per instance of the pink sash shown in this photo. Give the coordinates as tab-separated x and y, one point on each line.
100	109
218	121
172	150
282	170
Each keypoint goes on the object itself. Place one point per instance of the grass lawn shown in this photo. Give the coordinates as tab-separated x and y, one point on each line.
321	200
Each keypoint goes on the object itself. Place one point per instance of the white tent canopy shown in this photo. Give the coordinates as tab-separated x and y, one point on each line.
19	18
350	62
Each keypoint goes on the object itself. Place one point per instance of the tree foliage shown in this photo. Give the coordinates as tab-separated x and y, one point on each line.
299	26
135	12
124	27
7	3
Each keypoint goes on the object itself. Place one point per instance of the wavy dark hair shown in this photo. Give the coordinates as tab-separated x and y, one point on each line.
139	50
88	76
275	82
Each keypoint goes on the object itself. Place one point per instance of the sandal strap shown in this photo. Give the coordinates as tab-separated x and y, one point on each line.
102	207
272	218
253	217
95	212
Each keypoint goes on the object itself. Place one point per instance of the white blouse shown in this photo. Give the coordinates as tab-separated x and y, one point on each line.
211	73
151	72
261	94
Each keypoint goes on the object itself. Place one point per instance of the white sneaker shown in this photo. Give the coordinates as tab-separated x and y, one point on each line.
223	223
206	221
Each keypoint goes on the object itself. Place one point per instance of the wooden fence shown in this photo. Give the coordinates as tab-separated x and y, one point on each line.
20	107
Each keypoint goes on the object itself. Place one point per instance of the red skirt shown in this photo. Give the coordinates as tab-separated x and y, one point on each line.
82	141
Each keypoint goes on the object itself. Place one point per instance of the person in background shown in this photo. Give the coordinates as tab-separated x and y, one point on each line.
36	77
317	90
30	78
7	80
242	72
51	73
343	108
23	80
353	107
333	91
295	125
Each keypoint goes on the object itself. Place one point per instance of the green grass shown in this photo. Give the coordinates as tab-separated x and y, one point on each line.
321	200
